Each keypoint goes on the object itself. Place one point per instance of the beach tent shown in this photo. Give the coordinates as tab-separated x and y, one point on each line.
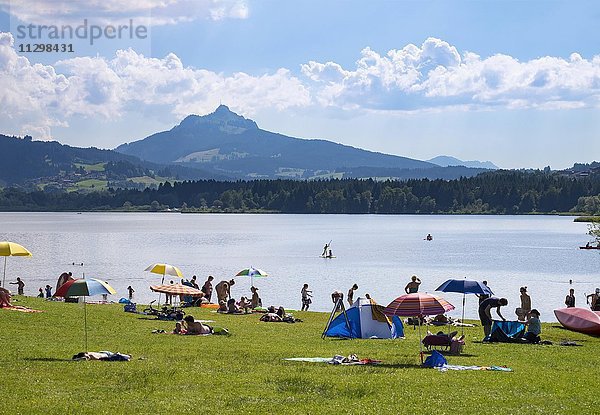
363	321
507	332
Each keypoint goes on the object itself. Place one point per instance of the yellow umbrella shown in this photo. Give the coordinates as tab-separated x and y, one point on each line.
11	249
164	269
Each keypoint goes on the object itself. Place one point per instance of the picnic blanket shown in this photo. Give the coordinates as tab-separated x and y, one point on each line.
459	367
22	309
103	355
336	360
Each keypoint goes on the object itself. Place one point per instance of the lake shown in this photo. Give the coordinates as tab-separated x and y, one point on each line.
378	252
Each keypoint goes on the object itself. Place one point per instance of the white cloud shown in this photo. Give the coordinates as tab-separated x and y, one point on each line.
436	76
430	77
155	12
40	97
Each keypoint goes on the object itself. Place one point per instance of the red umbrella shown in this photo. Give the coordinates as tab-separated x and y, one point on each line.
418	305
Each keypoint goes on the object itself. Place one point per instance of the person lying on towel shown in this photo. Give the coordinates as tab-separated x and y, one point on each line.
191	326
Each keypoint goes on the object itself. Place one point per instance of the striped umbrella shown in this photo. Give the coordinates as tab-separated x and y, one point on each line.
83	288
164	269
418	305
252	272
177	289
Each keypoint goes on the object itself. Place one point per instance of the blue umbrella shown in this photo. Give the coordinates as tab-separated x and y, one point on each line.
464	287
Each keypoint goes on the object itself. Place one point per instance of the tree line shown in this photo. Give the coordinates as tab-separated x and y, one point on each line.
499	192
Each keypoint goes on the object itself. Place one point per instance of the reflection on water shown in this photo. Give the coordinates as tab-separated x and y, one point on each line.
379	253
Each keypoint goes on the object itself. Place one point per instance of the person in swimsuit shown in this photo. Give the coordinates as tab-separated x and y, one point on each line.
485	313
413	285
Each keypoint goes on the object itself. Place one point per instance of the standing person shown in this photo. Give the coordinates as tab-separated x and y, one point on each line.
338	298
64	277
523	311
350	298
570	299
207	288
20	286
595	300
41	294
483	297
130	290
169	297
48	291
485	313
325	248
413	285
223	290
305	297
255	301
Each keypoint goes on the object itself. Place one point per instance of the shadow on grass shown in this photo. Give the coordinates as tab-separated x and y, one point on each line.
396	366
46	359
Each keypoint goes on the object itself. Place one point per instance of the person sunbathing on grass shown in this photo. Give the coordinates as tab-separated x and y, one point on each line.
179	329
5	298
271	318
195	327
232	307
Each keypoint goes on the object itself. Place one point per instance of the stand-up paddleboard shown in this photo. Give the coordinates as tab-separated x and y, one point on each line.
327	256
579	319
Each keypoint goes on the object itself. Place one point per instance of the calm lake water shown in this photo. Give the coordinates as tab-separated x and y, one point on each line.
379	253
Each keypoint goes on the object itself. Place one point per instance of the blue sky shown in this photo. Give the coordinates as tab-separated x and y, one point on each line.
514	82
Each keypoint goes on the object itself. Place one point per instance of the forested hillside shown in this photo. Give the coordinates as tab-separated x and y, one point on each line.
501	192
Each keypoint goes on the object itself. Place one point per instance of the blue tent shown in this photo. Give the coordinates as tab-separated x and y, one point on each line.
507	332
363	325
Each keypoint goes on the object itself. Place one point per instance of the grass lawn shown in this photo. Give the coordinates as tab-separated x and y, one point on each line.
244	373
91	167
90	184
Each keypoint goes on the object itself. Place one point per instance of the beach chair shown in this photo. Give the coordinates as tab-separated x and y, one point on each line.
446	342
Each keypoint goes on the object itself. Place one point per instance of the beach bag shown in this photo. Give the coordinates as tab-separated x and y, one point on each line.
130	308
436	359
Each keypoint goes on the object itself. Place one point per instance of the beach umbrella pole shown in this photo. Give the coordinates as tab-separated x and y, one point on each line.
463	315
4	275
420	341
85	324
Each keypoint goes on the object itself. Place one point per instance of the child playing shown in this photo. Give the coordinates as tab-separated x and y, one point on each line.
305	297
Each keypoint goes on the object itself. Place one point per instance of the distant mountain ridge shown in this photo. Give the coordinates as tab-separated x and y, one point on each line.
24	160
445	161
226	142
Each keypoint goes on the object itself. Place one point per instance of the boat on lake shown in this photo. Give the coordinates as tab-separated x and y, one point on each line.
579	319
589	247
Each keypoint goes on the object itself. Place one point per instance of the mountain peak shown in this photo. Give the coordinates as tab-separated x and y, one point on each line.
223	109
222	118
445	161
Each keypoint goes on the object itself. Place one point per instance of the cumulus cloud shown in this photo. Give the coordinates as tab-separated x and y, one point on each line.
43	96
435	75
155	12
